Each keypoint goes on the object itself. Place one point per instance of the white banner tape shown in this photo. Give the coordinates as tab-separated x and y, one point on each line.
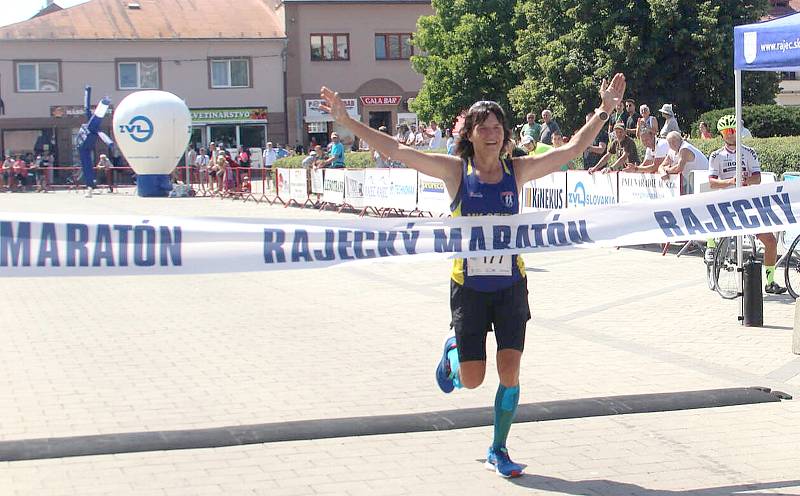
83	245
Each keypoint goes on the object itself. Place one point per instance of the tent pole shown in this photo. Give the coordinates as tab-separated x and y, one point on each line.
737	77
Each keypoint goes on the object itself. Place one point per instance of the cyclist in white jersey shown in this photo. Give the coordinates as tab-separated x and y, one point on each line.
683	158
722	174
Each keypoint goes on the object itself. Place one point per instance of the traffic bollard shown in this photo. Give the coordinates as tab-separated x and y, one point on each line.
752	297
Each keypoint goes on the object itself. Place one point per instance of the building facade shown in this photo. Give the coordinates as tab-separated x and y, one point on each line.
233	83
360	49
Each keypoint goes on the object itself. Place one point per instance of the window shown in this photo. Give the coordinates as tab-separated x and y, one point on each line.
393	46
138	75
230	73
38	76
330	47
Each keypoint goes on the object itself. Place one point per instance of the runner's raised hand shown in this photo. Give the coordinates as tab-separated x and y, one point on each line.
333	103
611	93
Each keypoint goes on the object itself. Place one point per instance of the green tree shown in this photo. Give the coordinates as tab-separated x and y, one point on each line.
671	51
467	48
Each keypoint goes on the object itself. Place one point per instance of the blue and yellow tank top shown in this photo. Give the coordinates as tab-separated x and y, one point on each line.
477	198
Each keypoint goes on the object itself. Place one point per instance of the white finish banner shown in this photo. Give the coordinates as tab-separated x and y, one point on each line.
545	193
333	188
635	187
588	190
317	181
376	187
82	245
298	185
432	195
403	189
354	187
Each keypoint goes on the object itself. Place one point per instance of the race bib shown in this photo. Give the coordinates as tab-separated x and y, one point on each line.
497	265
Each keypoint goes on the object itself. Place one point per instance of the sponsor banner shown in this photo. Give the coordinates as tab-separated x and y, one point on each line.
317	181
354	187
333	186
229	115
376	187
637	187
589	190
298	185
403	189
282	183
432	195
88	245
546	193
256	158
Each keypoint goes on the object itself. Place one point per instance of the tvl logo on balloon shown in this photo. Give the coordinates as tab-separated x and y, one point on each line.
140	128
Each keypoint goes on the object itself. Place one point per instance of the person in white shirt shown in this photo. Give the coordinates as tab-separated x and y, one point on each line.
436	136
201	162
722	174
683	158
655	152
270	155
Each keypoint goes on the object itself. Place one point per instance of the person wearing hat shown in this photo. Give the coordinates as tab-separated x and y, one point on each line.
336	158
625	149
671	124
104	166
270	155
308	162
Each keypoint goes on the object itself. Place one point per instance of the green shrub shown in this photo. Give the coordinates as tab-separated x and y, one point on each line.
764	121
352	160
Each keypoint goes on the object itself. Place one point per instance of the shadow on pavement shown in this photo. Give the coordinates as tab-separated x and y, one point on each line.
609	487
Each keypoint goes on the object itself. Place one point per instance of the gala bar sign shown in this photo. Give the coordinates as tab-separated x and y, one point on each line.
381	100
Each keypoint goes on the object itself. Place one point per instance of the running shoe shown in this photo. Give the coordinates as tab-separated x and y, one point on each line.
774	288
499	461
709	256
443	369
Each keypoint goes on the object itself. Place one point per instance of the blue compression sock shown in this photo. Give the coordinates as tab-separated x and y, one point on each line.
505	407
452	356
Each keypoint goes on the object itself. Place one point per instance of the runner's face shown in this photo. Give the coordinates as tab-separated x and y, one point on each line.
488	135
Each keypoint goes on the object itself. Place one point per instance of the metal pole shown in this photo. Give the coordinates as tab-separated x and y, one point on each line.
737	77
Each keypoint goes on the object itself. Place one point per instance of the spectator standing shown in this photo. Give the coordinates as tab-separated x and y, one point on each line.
37	168
336	160
705	133
308	162
531	127
104	169
201	164
450	142
320	162
671	123
625	149
646	121
619	115
281	152
243	158
270	155
436	136
419	137
8	165
597	149
191	156
632	122
548	127
299	149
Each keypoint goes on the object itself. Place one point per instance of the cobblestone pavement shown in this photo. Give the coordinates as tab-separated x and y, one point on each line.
107	355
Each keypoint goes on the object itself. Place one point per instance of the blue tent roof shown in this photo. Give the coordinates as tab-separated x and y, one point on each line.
768	46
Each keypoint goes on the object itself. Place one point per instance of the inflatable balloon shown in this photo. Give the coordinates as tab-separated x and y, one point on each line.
152	129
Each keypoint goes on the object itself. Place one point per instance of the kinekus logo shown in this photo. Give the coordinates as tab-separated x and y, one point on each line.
140	128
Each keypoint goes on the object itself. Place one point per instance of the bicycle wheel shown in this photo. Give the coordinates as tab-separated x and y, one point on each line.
793	268
726	275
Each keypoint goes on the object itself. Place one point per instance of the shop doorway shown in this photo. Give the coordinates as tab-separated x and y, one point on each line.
197	140
382	118
253	136
225	134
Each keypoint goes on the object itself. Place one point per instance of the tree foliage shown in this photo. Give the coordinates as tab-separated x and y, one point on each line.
537	54
467	51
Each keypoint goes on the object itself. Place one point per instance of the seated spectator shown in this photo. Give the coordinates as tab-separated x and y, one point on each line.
683	158
625	149
655	151
37	168
705	133
20	173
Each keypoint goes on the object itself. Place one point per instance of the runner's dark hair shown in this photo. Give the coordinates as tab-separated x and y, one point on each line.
477	114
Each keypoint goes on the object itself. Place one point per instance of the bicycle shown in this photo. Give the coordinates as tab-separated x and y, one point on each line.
792	269
722	274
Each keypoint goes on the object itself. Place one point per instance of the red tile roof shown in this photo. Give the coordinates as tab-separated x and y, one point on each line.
153	20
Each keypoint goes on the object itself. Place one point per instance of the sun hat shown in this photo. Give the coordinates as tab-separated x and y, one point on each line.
667	109
526	140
